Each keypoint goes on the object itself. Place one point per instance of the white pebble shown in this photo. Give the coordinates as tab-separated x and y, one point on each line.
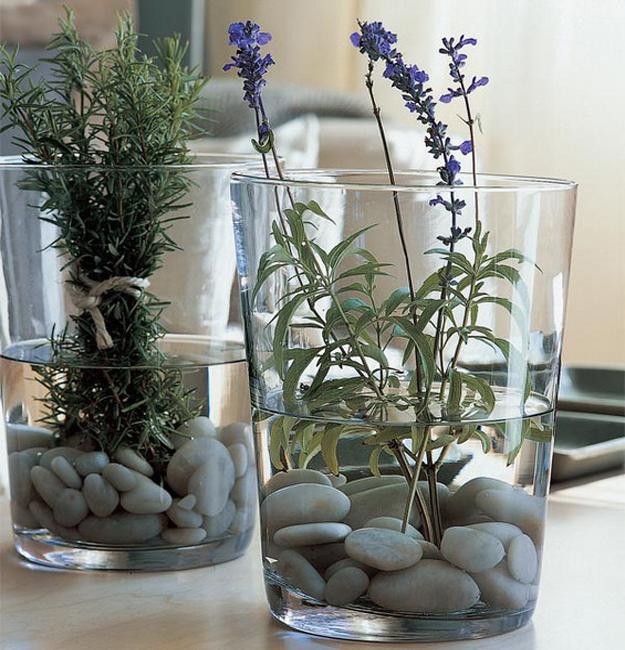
194	428
514	507
308	534
47	484
71	453
505	533
217	525
211	483
393	523
321	556
522	559
43	515
92	462
385	501
243	520
297	570
121	528
384	549
303	503
461	508
238	453
500	589
339	479
188	502
183	536
428	586
70	508
120	477
348	562
370	483
146	497
183	518
132	459
194	454
101	497
245	489
22	517
21	485
470	549
430	551
238	432
345	586
293	477
64	470
24	436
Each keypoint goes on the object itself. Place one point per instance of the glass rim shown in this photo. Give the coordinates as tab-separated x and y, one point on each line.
310	178
212	160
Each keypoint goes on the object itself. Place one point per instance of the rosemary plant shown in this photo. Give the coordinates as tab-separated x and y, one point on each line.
108	130
431	322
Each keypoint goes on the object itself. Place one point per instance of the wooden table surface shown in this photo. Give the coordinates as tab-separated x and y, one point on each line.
581	605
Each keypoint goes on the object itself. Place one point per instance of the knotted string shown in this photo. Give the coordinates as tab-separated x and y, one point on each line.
90	300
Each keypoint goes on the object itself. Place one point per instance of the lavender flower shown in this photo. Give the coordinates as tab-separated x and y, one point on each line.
248	61
378	44
458	60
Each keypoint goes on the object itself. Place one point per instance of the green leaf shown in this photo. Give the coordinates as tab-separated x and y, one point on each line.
374	460
342	248
397	297
482	387
330	440
454	392
285	315
301	359
314	207
483	438
421	343
441	441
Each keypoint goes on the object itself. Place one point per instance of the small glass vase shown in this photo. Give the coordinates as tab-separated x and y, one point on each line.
403	391
137	455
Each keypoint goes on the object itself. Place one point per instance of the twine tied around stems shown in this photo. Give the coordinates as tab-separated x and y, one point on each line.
90	299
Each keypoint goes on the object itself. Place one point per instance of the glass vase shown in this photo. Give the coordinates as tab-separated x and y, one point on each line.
403	379
124	381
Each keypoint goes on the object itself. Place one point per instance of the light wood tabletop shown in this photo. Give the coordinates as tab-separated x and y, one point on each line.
581	604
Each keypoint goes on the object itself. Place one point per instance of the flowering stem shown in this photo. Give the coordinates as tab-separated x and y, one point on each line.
400	224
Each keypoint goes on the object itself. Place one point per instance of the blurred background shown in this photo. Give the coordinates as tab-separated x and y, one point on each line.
553	108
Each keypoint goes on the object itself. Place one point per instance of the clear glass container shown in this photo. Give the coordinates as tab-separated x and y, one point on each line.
403	390
135	455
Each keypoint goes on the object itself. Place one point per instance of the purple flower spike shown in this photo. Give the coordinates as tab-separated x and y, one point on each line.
466	147
374	41
251	66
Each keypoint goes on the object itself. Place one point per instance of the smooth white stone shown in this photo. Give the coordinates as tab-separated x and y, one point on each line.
393	523
522	559
183	518
71	453
21	485
23	436
429	586
64	470
303	503
338	480
22	517
321	556
47	484
245	489
243	520
93	462
369	483
533	592
309	534
132	459
385	501
345	586
43	515
500	589
188	502
146	497
384	549
183	536
238	454
70	508
515	507
505	533
35	454
101	497
240	432
442	491
470	549
217	525
293	477
430	551
120	477
195	428
348	562
461	507
297	570
192	455
121	528
211	483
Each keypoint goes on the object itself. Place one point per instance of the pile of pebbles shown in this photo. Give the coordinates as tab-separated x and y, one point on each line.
209	491
337	542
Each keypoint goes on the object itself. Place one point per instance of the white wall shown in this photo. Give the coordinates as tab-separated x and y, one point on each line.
554	107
